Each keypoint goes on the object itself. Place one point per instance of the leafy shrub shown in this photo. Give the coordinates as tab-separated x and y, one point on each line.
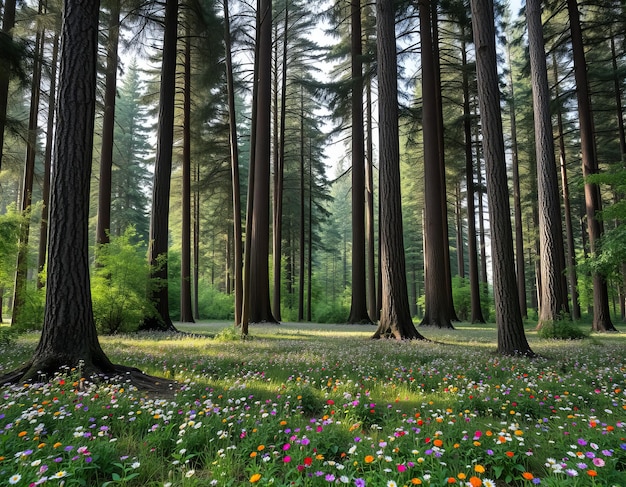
33	308
561	330
8	335
215	305
228	334
120	285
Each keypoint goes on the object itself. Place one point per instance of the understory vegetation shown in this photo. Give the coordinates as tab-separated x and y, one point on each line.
304	404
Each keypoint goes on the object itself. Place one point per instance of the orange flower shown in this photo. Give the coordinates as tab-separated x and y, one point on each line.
369	459
255	478
438	443
57	444
479	469
462	476
528	476
416	481
260	447
252	454
21	434
510	454
451	480
592	473
475	482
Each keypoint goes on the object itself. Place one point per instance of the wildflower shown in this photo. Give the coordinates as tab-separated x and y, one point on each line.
255	478
359	482
479	469
368	459
451	480
592	473
489	483
598	462
14	479
416	481
60	474
462	476
475	482
287	459
329	477
401	468
571	472
528	476
190	473
135	465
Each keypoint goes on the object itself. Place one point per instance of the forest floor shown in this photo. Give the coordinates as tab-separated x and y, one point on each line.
311	404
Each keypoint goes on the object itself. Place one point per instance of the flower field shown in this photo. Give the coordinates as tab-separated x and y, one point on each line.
310	405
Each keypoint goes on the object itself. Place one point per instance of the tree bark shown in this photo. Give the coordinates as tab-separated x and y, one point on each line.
260	310
601	312
69	337
186	312
373	309
395	315
103	225
437	312
552	261
159	218
511	337
358	307
234	164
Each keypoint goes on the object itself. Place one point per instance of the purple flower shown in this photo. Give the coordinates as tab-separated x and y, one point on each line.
536	481
598	462
359	482
329	477
582	441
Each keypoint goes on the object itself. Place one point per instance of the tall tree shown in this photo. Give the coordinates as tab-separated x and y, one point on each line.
158	246
69	337
511	337
437	312
553	300
601	313
395	316
186	311
103	226
260	310
234	162
358	304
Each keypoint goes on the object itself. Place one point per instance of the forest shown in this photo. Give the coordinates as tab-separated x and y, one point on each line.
387	163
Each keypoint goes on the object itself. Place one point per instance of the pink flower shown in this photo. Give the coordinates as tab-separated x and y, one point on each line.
287	459
598	462
401	468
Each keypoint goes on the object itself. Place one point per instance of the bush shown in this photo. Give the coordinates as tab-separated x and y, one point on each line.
215	305
561	330
120	285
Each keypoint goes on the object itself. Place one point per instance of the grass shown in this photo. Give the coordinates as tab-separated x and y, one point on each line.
304	404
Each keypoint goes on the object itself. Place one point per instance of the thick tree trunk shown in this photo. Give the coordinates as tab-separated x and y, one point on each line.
372	307
302	239
186	312
601	313
553	297
159	218
437	311
260	310
358	308
234	163
103	225
395	315
511	337
69	337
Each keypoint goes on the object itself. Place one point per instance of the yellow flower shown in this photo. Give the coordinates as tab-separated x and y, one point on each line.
57	444
255	478
479	469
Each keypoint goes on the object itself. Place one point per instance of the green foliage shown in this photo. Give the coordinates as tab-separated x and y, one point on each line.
8	335
215	305
10	223
562	329
120	284
33	308
229	334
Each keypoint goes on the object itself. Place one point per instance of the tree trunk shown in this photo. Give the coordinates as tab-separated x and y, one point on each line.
69	337
103	225
358	307
8	22
302	243
45	196
260	310
553	297
21	270
601	313
395	315
511	337
460	260
159	218
234	163
186	312
567	207
517	205
373	310
437	311
477	312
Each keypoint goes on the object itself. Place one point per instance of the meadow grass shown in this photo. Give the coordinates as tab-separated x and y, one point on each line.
310	404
